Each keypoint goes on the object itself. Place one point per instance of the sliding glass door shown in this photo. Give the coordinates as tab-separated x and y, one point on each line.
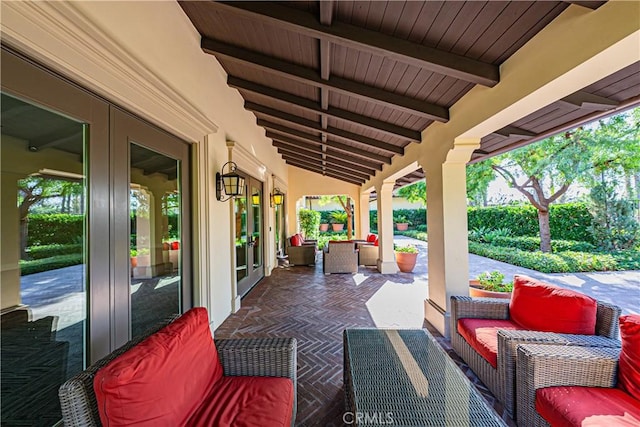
248	210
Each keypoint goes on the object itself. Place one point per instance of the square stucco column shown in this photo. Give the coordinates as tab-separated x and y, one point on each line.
365	227
448	249
387	261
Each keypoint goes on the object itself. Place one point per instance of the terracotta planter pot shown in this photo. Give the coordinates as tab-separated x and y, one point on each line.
402	226
337	227
406	261
477	292
134	262
324	227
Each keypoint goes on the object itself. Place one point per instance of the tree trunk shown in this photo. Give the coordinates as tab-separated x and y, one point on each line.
24	235
545	231
349	219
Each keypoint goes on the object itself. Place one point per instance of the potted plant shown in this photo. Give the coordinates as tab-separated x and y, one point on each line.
133	256
338	220
402	224
490	285
406	257
324	227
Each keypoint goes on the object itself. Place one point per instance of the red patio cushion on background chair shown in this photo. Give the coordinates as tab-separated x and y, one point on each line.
629	364
482	335
296	240
371	238
540	306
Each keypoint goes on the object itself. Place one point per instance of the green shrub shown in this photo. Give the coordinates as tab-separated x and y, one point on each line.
47	251
568	221
421	227
339	217
51	263
309	223
628	259
50	229
325	237
420	235
529	243
405	249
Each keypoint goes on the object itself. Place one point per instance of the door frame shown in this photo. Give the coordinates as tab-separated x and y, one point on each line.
254	275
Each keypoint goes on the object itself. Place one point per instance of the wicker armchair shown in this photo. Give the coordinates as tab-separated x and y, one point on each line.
274	357
302	255
340	257
501	380
541	366
368	254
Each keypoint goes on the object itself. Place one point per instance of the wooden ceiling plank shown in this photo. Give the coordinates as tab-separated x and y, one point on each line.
327	163
370	41
283	141
326	171
589	101
513	131
311	76
358	170
326	12
316	139
337	113
310	124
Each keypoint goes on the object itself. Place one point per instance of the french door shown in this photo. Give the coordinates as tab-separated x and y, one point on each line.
248	210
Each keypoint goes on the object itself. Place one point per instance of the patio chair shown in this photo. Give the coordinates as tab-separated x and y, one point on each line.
581	386
491	351
340	257
301	252
368	254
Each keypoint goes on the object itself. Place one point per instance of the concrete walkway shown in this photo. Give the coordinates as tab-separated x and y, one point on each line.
621	288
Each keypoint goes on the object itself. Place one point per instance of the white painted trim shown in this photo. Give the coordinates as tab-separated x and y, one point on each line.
53	31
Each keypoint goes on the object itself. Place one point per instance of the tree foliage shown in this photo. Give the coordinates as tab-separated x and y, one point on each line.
345	202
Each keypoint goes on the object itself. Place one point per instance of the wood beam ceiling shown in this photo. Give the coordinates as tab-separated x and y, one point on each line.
282	141
312	77
314	107
315	167
310	124
318	140
428	58
358	170
326	166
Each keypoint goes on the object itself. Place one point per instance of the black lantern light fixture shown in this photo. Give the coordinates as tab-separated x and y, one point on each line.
277	198
230	182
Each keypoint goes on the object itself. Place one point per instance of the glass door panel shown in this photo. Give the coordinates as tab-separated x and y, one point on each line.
242	243
155	237
44	274
256	218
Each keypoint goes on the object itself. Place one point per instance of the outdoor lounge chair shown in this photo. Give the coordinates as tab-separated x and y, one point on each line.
368	254
301	252
494	361
340	257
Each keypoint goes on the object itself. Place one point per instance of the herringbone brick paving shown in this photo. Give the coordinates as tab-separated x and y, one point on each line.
302	302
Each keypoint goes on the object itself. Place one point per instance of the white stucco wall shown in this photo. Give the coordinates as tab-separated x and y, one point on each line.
146	57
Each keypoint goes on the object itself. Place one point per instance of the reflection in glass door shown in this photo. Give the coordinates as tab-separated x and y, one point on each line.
249	241
44	275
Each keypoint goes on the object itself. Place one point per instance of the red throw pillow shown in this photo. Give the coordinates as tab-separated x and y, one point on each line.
540	306
371	238
296	240
629	365
175	245
376	242
161	380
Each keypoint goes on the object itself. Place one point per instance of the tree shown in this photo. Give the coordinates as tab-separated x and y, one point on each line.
345	202
614	226
544	171
415	193
479	176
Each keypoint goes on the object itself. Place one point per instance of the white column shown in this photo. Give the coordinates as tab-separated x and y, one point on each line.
364	226
447	227
387	261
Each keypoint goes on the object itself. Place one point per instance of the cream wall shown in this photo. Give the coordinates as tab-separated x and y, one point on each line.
146	57
305	183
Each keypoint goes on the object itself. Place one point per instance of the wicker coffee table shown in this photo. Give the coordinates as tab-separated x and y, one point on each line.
404	378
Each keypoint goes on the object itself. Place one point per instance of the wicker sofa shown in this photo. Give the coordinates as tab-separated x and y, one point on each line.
300	251
501	333
580	386
176	375
368	254
340	257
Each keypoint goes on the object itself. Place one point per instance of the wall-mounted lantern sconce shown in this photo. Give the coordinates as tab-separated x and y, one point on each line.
277	198
230	182
255	199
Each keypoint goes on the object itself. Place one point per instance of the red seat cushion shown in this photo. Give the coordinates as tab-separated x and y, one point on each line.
247	401
629	365
160	382
587	406
482	335
371	238
540	306
296	240
375	243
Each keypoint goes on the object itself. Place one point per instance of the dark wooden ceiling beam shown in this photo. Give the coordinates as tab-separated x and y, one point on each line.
326	12
513	131
284	141
358	170
589	101
377	43
310	124
312	106
317	140
324	171
590	4
312	77
326	166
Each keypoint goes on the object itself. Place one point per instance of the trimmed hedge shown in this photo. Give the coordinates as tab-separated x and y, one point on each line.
47	251
52	263
563	262
420	235
569	221
51	229
528	243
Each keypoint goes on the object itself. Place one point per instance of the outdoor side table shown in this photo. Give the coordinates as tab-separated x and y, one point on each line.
404	378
